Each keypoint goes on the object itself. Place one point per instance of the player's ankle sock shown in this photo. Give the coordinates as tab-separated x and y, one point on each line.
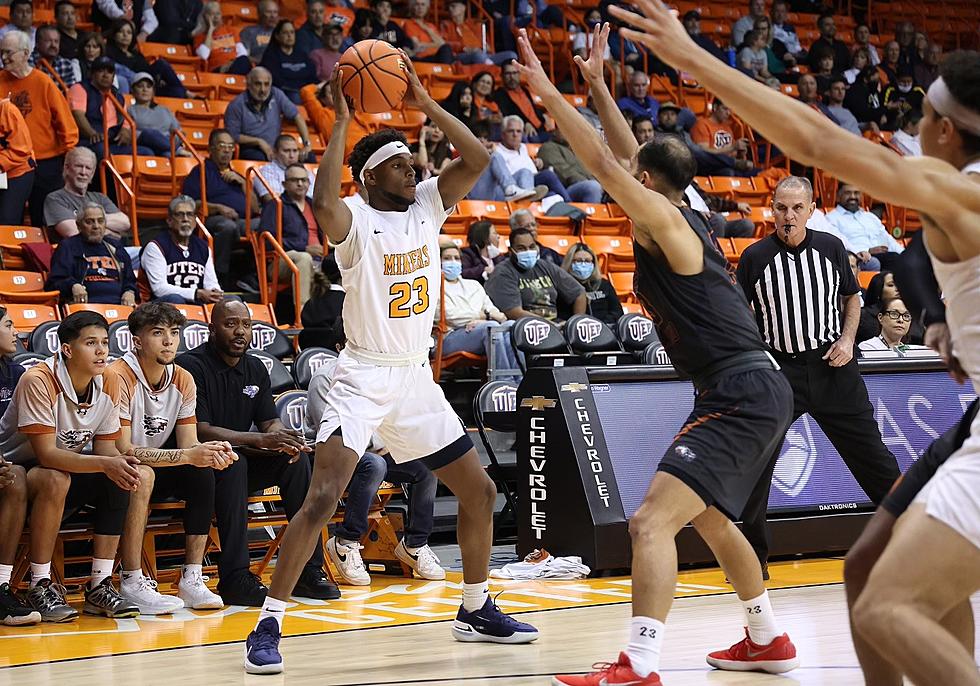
192	570
646	638
6	571
130	578
273	608
40	572
760	619
475	595
100	570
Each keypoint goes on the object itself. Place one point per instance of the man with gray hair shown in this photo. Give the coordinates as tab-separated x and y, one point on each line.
63	207
177	266
524	219
798	282
254	118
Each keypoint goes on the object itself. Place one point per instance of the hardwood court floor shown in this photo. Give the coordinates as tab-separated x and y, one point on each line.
396	632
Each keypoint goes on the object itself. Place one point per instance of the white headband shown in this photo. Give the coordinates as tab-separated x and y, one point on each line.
385	152
946	105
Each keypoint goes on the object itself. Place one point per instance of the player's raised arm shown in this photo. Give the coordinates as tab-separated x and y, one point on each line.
331	212
621	140
656	219
924	184
458	178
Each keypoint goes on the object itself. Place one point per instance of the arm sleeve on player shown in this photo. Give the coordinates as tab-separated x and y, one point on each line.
154	265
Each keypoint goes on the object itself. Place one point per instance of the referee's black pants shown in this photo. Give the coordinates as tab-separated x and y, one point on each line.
837	399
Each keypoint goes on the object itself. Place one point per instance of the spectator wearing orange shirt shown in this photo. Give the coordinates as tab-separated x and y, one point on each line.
49	120
219	45
16	164
429	46
465	37
318	101
514	98
486	109
714	132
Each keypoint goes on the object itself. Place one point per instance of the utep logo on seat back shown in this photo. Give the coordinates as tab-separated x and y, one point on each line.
51	340
536	332
504	399
267	362
661	356
797	460
640	328
263	335
296	413
314	362
124	339
588	330
195	334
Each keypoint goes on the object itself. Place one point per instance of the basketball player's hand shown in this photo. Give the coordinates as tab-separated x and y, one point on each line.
937	337
840	352
530	67
660	30
592	69
419	94
123	471
342	107
6	474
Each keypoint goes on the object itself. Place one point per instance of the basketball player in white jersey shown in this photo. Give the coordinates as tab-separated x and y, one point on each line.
932	563
388	253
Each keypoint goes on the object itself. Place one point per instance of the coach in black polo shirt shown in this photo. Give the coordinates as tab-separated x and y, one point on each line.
798	282
233	394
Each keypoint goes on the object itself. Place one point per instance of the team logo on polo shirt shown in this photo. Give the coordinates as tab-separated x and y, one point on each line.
74	438
796	463
153	426
250	391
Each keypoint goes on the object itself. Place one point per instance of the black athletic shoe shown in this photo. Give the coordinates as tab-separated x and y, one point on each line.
313	583
13	611
243	589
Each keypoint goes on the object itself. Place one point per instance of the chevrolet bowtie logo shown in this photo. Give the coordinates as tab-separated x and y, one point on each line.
538	403
575	387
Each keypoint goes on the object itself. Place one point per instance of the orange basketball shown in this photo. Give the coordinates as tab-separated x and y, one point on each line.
373	76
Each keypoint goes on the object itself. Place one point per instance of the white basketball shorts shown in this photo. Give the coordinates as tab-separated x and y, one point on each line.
406	408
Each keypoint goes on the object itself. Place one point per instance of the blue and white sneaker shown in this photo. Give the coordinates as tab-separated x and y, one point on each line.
490	625
262	648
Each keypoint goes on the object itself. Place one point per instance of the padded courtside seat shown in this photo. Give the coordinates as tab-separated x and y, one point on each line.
44	338
593	341
541	341
495	415
193	334
307	362
655	354
120	340
636	332
269	339
291	407
28	360
279	376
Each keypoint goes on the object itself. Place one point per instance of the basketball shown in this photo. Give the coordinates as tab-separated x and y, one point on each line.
373	76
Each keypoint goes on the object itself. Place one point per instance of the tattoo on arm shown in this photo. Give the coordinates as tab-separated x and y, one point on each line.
154	456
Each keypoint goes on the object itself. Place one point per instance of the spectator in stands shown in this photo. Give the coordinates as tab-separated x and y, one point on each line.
62	207
862	40
926	70
318	101
16	163
557	155
824	69
828	40
98	120
863	231
709	163
905	37
642	127
514	98
459	103
61	407
432	153
713	133
254	118
906	136
865	99
228	193
482	252
785	32
525	285
602	302
859	60
91	266
273	455
66	19
487	109
48	47
177	20
49	120
10	373
527	172
220	46
881	288
892	62
373	468
894	321
256	37
757	10
635	56
302	237
809	94
326	56
465	38
497	182
387	30
90	48
778	57
285	154
312	35
154	122
291	69
323	309
177	266
524	220
470	313
362	28
638	102
427	44
902	97
835	103
122	48
692	24
21	19
754	58
139	12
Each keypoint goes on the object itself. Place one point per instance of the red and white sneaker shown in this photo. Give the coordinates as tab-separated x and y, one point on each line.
745	656
618	674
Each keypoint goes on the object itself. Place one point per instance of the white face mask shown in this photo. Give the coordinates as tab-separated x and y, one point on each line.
493	251
904	89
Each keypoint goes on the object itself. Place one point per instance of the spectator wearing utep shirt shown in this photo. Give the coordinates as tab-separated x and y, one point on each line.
863	231
254	118
524	285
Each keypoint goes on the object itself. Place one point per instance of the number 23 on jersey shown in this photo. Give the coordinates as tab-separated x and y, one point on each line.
408	298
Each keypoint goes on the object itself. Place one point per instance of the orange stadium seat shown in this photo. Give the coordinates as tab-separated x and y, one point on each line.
11	237
193	313
173	53
27	288
560	244
26	317
864	278
623	283
112	313
615	252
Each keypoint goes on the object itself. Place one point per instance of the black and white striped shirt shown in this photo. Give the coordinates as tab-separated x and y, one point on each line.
797	292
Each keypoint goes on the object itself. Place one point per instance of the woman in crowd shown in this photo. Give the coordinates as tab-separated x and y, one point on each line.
603	303
754	58
325	305
91	47
154	121
361	29
881	289
482	88
894	321
218	44
482	253
122	48
469	313
859	60
433	151
862	39
291	68
459	103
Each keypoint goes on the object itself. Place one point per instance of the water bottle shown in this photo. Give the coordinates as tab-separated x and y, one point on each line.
730	54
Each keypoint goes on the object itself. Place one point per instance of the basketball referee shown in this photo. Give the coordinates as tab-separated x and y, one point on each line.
799	282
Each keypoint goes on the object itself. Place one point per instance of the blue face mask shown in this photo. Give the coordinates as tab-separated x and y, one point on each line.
582	270
526	259
452	270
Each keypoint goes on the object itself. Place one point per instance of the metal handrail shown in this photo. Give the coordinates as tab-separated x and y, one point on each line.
201	228
202	211
121	183
110	99
257	245
266	237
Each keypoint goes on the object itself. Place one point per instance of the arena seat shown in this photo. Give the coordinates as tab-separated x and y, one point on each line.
636	332
192	313
279	376
258	313
495	416
622	282
594	342
615	252
26	317
112	313
864	279
43	338
193	334
25	287
28	359
306	364
120	340
271	340
174	53
633	308
540	340
11	238
291	407
441	362
561	244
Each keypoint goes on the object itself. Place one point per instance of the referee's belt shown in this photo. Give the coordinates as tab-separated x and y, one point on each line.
736	364
805	356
